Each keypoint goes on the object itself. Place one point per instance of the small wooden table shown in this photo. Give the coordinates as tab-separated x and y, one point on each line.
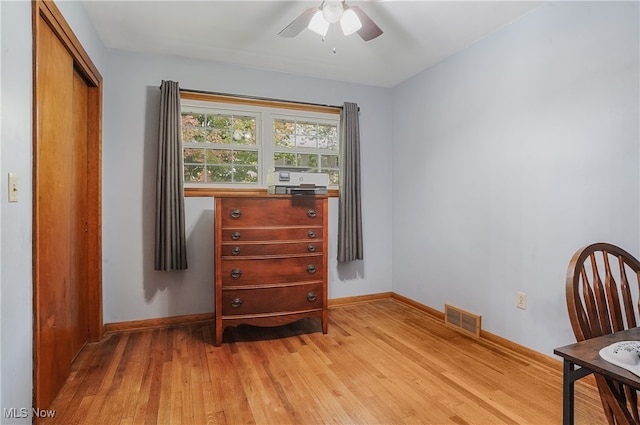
586	355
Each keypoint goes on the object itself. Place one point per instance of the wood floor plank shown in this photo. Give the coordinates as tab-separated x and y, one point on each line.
382	362
100	407
164	401
143	406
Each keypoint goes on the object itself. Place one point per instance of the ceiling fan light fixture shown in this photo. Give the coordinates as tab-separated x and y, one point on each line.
350	22
318	19
332	11
318	24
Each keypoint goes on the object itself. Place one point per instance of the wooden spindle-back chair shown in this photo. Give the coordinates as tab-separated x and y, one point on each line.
601	300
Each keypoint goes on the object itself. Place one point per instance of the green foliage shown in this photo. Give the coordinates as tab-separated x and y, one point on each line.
218	129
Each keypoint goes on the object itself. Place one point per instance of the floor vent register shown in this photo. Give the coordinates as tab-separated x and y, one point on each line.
462	320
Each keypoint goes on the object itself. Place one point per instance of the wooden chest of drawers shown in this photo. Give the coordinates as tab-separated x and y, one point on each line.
270	260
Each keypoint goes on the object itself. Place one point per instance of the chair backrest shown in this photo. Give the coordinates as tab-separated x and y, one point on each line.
599	295
601	300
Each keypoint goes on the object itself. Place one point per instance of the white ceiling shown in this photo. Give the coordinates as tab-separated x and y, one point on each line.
417	34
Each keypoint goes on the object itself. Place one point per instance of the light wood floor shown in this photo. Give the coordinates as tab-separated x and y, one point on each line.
382	362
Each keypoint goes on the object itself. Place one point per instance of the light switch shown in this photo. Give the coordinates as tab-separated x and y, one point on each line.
13	187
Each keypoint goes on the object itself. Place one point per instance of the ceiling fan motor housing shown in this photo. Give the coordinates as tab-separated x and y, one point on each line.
332	11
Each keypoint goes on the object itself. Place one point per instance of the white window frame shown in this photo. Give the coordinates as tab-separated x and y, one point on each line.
316	118
265	115
200	107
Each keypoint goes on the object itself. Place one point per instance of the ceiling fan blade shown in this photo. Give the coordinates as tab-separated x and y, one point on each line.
297	25
369	29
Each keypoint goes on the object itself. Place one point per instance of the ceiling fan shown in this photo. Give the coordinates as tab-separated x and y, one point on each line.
318	19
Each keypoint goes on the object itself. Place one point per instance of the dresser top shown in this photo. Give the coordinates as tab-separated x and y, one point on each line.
266	195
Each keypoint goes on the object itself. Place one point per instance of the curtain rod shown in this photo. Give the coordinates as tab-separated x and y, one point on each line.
266	99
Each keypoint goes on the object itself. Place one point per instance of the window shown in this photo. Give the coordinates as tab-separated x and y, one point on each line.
303	144
236	144
219	147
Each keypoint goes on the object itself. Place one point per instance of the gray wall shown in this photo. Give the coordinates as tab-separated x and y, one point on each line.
510	156
132	289
15	219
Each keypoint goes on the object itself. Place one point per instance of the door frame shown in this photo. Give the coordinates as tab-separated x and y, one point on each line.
45	12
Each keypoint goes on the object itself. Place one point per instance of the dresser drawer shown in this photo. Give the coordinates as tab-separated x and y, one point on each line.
272	249
271	212
240	234
271	270
272	300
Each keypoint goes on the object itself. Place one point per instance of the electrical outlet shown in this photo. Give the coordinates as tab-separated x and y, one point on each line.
521	300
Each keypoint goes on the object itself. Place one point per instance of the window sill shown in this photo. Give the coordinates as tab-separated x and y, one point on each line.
193	192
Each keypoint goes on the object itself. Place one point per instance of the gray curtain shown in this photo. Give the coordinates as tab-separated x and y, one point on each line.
170	245
350	245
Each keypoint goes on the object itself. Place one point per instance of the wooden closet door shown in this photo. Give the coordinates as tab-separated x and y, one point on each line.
78	205
60	216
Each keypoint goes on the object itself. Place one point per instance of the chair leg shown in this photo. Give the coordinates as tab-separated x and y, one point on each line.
605	407
632	402
614	402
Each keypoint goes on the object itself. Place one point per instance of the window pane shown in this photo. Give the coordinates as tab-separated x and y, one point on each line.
244	130
194	173
218	136
308	128
192	120
220	173
245	174
332	143
284	126
334	179
283	133
328	143
308	161
329	161
284	159
222	122
306	141
192	131
284	140
192	155
306	135
247	157
328	130
327	136
219	156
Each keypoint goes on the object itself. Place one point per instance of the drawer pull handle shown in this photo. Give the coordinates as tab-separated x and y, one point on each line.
235	236
311	248
235	250
237	302
236	213
311	213
311	296
236	273
311	234
311	268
